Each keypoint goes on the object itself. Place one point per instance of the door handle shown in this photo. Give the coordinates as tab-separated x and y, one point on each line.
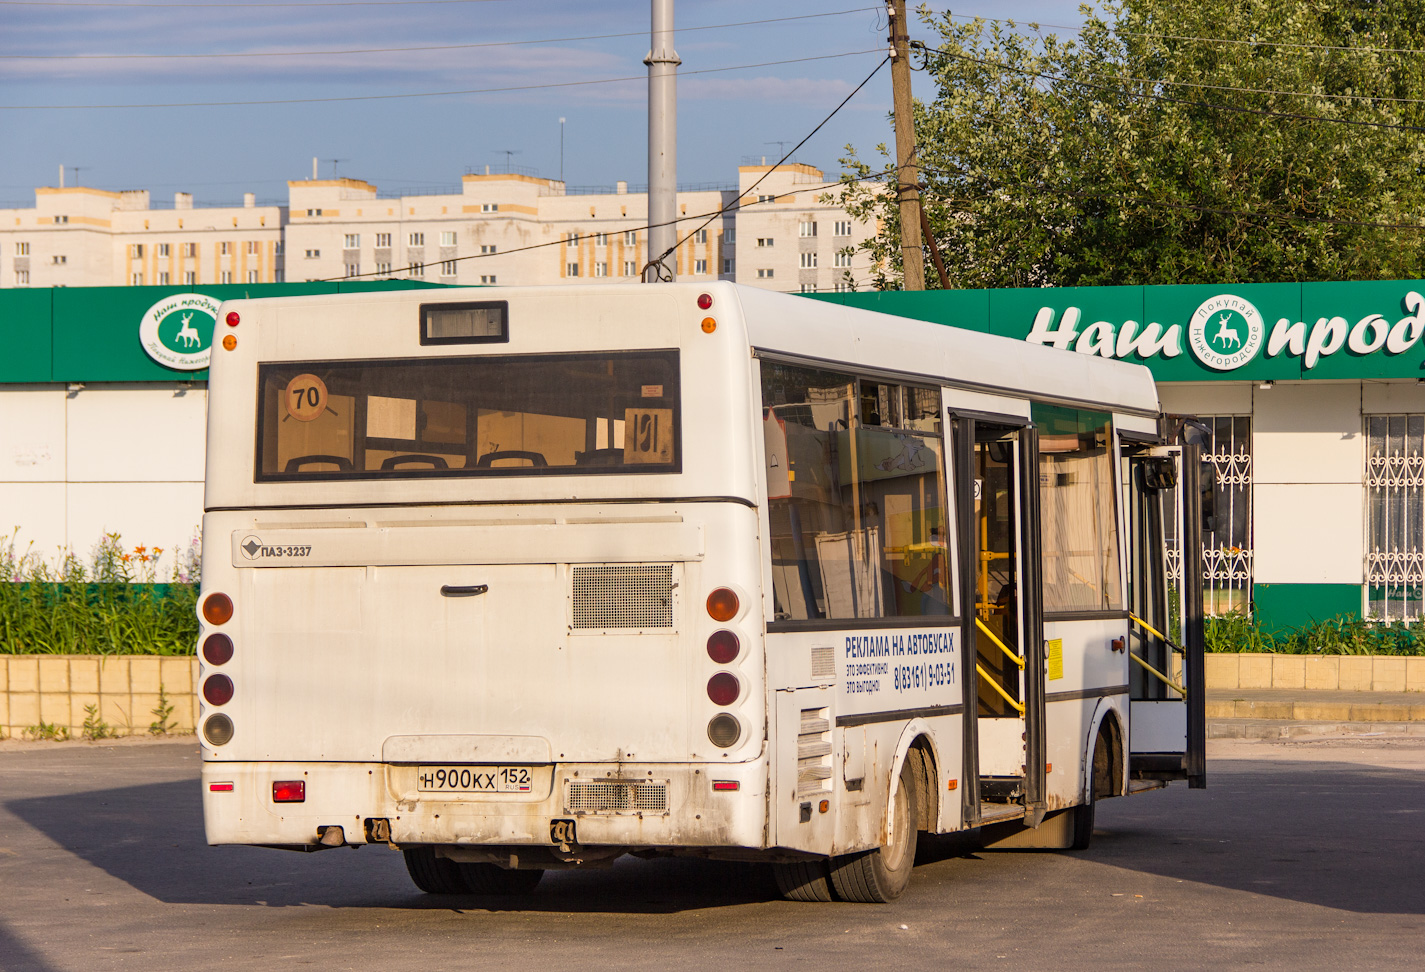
474	590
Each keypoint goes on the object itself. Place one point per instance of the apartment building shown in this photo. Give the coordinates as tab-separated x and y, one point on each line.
86	237
498	228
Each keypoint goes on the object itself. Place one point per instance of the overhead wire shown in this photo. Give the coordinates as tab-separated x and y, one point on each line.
1028	21
434	47
737	202
1127	92
539	246
434	94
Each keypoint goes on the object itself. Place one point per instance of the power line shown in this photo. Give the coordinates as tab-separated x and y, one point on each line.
1296	116
737	203
434	94
434	47
539	246
1206	40
967	202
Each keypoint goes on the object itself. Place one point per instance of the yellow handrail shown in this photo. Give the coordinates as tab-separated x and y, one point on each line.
996	686
1156	633
1018	660
1160	676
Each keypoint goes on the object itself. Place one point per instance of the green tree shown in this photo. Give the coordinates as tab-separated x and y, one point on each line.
1168	143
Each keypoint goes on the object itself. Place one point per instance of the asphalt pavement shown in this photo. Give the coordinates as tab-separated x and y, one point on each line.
1301	854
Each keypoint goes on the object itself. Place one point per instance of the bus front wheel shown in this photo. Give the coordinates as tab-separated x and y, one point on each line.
881	875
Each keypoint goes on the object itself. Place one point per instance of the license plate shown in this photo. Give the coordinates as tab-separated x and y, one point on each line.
475	779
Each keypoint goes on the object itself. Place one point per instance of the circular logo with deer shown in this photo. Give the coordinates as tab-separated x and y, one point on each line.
1226	332
177	332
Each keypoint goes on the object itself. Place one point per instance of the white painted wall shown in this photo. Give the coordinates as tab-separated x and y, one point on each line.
125	458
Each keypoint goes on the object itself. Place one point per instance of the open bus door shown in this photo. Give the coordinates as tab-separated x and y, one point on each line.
1168	712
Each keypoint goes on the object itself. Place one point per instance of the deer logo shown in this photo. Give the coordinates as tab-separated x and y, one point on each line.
1229	334
187	333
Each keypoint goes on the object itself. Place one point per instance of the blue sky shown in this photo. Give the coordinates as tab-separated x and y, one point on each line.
218	153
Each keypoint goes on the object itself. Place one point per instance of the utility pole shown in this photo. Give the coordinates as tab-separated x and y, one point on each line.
662	63
561	150
907	172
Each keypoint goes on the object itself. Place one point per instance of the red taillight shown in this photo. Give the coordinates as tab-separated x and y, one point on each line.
220	787
218	690
704	301
723	688
723	647
218	609
726	785
722	604
289	791
233	318
217	649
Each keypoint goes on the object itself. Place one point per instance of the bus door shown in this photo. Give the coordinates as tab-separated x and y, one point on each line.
1167	721
998	496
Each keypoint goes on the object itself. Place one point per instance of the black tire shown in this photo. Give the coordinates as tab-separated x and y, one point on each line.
878	876
434	875
1098	780
803	881
493	879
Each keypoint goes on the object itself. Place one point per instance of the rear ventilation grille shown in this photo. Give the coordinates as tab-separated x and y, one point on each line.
814	753
823	662
620	597
616	796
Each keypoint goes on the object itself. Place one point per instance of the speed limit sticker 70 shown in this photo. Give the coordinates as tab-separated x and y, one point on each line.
305	397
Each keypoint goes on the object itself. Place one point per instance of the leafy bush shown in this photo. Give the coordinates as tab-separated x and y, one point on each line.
112	605
1344	634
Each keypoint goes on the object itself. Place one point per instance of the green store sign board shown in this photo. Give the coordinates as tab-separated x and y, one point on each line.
1198	332
129	333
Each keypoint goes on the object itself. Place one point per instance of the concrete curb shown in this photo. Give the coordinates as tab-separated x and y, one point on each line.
1277	729
1302	711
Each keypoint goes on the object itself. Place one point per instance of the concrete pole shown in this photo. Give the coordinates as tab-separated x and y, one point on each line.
662	63
907	172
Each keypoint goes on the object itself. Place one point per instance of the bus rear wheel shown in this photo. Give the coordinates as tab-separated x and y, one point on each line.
803	881
878	876
433	875
493	879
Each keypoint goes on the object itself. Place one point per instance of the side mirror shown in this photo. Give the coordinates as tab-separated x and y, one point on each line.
1207	487
1160	474
1193	432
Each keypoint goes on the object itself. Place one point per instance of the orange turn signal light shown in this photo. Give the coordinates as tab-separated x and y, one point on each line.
229	342
709	325
218	609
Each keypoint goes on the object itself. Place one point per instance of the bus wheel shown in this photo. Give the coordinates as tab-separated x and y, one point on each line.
803	881
493	879
881	875
1084	812
433	875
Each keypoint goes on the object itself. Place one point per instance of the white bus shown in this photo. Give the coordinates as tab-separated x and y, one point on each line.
528	578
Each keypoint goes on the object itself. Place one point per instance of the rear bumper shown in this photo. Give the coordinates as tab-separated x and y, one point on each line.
600	797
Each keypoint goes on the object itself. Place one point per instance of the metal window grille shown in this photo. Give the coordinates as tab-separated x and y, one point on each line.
1227	549
1395	492
622	596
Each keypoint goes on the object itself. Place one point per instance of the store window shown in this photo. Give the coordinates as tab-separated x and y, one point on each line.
1227	547
1078	522
1395	517
856	497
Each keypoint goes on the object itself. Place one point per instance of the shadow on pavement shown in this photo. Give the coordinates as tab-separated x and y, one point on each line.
1336	834
151	837
16	956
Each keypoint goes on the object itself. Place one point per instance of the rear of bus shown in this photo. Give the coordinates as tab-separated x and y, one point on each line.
481	575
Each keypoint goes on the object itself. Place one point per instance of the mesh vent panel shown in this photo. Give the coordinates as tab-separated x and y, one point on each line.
632	596
616	797
823	662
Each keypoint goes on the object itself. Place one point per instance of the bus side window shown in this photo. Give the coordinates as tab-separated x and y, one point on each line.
855	498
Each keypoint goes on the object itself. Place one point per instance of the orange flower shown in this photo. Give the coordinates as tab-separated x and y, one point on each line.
157	551
140	549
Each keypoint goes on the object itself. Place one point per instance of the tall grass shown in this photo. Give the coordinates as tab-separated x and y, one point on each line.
1344	634
113	604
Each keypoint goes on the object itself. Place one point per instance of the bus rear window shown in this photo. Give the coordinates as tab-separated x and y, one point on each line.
507	415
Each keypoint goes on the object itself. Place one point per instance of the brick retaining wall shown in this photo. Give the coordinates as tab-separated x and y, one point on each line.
56	688
1360	673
